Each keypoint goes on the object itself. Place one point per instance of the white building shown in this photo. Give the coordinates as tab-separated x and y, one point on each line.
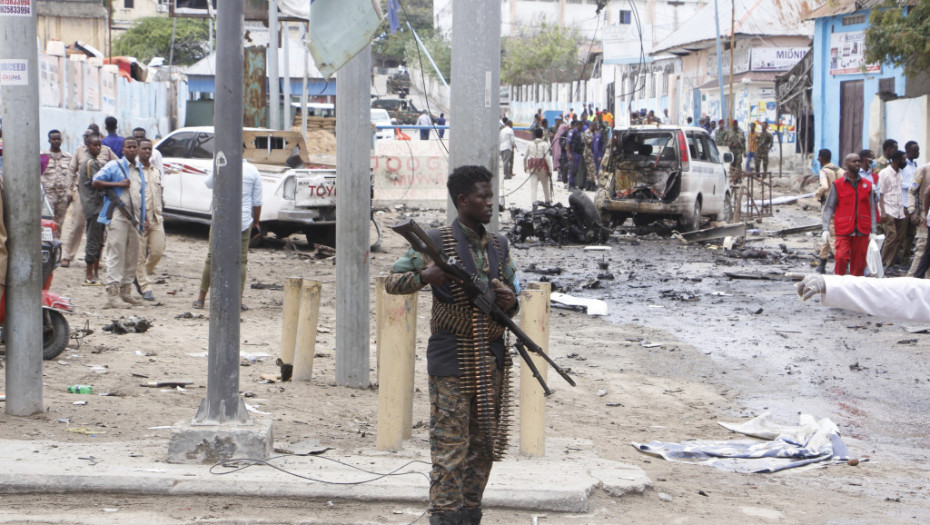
517	14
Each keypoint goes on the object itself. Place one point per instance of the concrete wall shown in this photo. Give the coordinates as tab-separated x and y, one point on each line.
73	94
410	172
906	119
826	93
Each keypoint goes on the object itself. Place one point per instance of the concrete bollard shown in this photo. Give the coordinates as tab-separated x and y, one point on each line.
397	338
292	287
535	322
307	322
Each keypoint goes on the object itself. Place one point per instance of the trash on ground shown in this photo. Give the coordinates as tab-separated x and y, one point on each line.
269	286
169	383
917	329
577	223
592	306
132	325
778	447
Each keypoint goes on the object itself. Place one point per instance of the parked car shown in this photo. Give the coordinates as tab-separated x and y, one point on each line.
664	172
295	198
380	117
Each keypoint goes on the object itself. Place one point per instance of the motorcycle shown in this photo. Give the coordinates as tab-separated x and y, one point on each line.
55	330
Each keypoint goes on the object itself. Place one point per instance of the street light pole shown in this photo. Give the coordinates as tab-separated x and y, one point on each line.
19	89
274	97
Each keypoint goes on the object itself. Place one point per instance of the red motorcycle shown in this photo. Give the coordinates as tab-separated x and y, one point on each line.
55	331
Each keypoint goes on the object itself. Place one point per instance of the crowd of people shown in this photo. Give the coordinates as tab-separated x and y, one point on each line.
868	197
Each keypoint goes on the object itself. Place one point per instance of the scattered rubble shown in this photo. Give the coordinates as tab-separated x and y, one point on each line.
132	325
579	223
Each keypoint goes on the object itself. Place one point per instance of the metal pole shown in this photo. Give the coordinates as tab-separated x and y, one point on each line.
288	121
353	207
20	113
732	45
303	95
223	403
475	111
719	57
428	57
274	114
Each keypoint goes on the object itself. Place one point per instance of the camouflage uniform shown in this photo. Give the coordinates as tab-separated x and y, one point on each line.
588	179
762	150
468	373
57	183
736	141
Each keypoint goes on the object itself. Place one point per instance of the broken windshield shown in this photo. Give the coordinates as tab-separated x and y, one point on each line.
647	148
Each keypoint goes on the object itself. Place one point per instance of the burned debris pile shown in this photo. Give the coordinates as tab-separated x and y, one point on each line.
578	223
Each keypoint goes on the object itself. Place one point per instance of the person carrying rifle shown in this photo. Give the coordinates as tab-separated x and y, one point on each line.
466	359
123	184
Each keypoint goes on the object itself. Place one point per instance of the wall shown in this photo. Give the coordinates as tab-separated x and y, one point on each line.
907	119
410	172
73	94
826	93
91	31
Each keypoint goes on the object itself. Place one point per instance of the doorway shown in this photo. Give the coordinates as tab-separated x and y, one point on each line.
851	109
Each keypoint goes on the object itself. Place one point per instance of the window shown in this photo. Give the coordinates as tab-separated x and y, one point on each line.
710	148
129	4
176	145
696	147
852	20
625	17
203	147
886	85
665	84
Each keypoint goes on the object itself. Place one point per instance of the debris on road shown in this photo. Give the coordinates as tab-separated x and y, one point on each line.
132	325
592	306
579	223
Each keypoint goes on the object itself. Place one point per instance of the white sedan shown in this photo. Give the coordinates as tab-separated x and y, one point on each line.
380	117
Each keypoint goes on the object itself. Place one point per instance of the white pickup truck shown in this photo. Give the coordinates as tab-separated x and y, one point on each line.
296	198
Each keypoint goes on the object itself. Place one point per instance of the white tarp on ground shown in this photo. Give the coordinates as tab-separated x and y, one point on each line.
784	447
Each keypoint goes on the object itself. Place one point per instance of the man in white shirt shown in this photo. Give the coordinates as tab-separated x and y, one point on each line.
508	146
912	153
894	214
424	120
251	212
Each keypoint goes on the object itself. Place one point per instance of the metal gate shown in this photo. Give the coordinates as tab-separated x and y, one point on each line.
851	109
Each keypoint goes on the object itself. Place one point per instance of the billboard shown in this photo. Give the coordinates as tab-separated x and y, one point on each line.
776	58
847	54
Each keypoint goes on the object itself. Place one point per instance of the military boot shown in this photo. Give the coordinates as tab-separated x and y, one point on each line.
822	268
113	297
125	293
471	516
446	518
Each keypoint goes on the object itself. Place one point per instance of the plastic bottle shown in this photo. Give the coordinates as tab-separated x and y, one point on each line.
80	389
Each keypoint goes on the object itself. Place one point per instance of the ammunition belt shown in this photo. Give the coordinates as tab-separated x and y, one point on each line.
457	319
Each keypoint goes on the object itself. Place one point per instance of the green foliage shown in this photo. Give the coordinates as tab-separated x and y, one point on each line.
898	39
544	53
151	37
391	48
441	51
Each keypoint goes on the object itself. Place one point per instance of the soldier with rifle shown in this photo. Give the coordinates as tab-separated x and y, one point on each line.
123	184
472	278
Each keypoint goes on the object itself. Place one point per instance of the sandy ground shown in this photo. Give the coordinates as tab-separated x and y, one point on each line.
718	360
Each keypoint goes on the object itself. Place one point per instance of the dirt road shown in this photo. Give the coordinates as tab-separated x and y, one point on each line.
730	349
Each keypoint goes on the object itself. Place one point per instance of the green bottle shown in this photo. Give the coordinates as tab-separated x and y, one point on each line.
80	389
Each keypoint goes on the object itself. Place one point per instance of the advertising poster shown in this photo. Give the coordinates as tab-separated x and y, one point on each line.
15	7
847	54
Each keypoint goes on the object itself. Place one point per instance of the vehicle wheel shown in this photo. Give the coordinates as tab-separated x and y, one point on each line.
727	214
619	219
55	334
322	235
692	221
643	220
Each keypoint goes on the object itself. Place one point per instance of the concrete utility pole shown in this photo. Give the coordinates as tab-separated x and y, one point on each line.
274	102
288	121
476	79
303	94
353	209
19	68
719	58
223	403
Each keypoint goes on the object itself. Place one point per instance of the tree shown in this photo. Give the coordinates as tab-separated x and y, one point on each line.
544	53
151	37
899	39
439	48
391	48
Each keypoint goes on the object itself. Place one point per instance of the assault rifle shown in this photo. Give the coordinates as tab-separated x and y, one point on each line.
479	293
115	202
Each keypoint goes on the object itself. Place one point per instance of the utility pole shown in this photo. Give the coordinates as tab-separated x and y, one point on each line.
19	89
223	403
719	57
732	45
287	77
353	211
303	95
475	112
274	113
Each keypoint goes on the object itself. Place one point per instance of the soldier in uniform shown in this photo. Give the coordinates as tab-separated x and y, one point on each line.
736	141
588	181
466	359
763	146
55	179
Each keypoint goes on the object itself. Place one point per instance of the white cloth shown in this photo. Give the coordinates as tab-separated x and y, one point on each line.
889	180
508	141
907	180
251	191
903	298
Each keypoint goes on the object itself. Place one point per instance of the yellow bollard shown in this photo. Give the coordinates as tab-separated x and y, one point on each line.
379	287
535	322
397	338
292	286
307	322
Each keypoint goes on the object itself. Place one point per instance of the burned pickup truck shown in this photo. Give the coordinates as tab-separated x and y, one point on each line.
663	172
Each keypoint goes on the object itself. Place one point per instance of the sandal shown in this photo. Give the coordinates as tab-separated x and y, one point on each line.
197	304
65	263
92	282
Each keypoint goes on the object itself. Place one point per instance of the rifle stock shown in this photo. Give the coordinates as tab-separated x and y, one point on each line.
480	295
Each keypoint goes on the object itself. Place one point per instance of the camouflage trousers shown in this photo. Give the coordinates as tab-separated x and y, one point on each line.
762	159
58	200
460	451
737	159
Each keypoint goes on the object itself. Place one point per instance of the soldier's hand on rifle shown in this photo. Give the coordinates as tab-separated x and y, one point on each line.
434	276
504	296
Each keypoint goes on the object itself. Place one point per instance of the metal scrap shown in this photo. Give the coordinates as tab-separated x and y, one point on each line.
132	325
576	224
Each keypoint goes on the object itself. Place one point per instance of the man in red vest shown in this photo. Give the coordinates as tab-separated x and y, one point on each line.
851	206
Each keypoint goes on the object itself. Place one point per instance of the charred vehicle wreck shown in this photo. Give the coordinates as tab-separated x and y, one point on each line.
579	223
663	172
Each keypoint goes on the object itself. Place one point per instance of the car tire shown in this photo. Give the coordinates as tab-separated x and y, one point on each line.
322	235
643	220
727	214
692	221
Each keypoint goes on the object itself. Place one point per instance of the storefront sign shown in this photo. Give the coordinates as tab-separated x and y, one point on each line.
776	58
847	54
